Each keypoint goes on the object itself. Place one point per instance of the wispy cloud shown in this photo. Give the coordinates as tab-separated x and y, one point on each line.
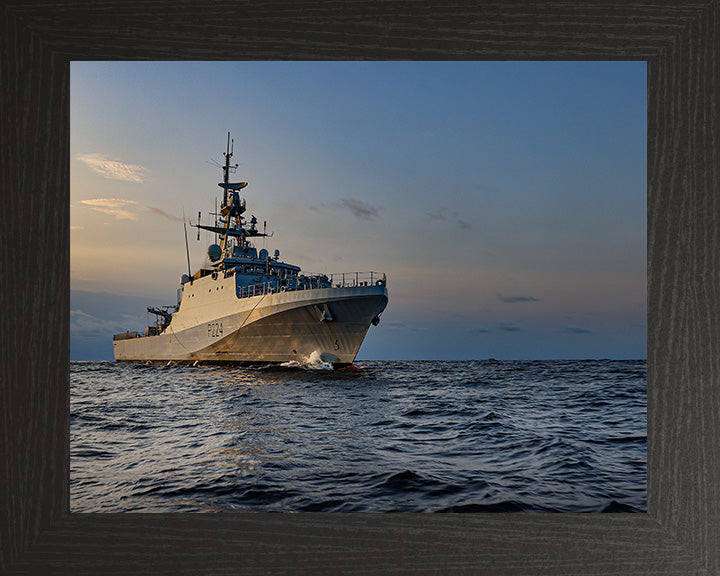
86	325
113	169
515	299
124	209
394	325
361	210
77	227
508	327
576	330
444	215
163	214
478	330
399	326
113	206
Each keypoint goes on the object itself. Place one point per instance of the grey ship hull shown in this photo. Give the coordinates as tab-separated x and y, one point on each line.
271	328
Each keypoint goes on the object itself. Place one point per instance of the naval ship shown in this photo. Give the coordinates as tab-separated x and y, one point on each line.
244	306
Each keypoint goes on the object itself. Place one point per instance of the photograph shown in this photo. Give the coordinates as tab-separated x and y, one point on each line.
395	286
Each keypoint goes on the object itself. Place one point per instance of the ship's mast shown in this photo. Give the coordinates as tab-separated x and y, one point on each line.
231	211
226	209
226	168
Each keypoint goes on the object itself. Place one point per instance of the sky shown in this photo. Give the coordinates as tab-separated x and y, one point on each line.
505	201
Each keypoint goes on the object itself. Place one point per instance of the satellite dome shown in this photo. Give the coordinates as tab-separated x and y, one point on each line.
214	252
277	254
263	254
185	279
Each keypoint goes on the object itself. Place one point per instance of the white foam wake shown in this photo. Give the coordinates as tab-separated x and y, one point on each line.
312	362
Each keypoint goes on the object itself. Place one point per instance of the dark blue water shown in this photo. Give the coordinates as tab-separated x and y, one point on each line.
475	436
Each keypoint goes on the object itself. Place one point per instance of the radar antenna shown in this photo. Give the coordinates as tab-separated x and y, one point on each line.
229	223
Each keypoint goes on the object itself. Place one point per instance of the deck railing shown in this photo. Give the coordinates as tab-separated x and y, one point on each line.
127	335
313	282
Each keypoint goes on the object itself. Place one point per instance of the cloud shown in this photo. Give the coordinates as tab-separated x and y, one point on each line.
124	209
361	210
163	214
577	330
113	206
86	325
77	227
508	327
399	326
444	215
478	330
113	169
515	299
108	202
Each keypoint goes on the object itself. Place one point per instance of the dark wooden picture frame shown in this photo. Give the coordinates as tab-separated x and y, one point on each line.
680	533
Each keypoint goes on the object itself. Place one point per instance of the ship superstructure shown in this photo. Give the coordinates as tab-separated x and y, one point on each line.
245	306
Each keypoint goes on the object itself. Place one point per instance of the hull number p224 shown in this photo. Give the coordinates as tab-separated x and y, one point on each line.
215	330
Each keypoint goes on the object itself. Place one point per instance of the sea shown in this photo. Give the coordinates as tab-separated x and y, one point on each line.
381	436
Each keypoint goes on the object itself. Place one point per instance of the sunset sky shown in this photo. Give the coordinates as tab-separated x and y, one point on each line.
506	202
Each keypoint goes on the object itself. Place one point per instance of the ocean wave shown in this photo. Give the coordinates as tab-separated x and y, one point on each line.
466	437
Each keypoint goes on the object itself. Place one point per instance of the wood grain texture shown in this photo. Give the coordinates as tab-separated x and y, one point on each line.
681	532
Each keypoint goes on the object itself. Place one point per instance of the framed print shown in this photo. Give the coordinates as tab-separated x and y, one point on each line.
679	532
